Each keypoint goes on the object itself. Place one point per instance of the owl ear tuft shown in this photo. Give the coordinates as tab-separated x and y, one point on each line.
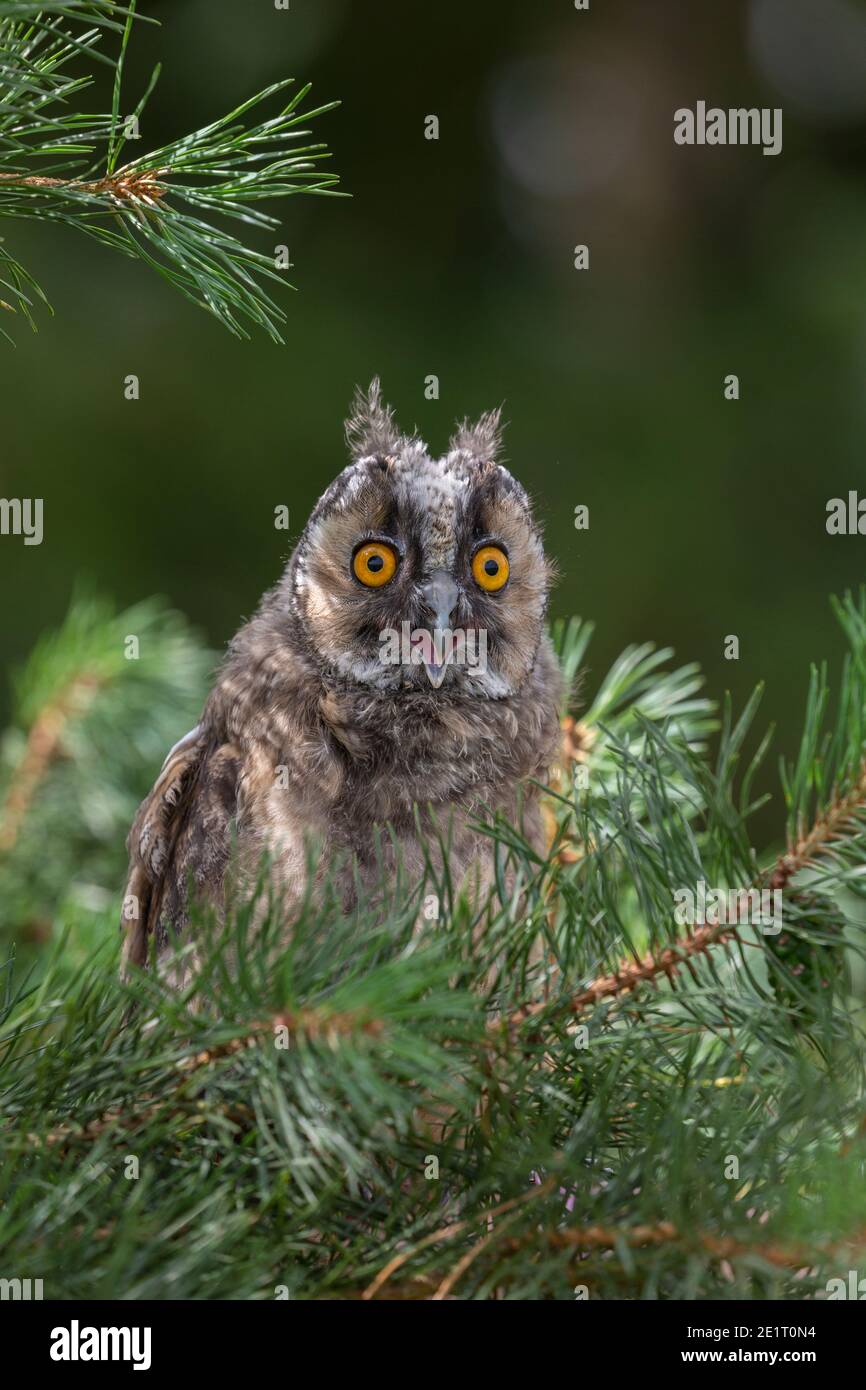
370	428
483	439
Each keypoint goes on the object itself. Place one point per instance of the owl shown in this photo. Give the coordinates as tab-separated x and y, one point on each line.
392	690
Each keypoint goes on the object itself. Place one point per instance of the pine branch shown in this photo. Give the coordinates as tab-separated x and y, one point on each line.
309	1025
586	1239
839	824
44	745
164	208
93	717
446	1233
629	974
841	820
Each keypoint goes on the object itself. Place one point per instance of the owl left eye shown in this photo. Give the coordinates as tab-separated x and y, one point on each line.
490	568
374	564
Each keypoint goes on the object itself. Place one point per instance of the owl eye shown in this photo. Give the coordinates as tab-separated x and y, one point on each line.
374	564
490	568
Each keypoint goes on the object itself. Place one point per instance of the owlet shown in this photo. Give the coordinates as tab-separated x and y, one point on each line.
396	678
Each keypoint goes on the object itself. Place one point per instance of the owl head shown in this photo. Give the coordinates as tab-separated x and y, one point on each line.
417	572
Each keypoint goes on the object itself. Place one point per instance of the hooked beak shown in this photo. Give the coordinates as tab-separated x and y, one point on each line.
440	596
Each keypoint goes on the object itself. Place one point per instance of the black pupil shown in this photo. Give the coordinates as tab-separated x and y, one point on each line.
375	563
491	567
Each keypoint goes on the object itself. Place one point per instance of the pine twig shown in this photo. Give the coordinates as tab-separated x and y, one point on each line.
662	1233
44	745
830	826
313	1025
455	1228
126	186
628	974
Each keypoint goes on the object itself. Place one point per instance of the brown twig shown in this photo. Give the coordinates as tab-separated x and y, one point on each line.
127	1122
588	1238
311	1024
833	823
314	1025
448	1233
584	1241
44	745
629	973
445	1288
136	186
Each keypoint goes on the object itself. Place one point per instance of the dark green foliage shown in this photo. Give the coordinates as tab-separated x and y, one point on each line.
701	1139
93	722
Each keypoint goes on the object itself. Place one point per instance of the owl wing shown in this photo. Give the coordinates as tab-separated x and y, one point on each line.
179	842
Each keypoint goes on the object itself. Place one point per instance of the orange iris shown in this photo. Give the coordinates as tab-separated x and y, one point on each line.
374	564
490	568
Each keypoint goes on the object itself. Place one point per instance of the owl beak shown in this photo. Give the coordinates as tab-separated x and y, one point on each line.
440	595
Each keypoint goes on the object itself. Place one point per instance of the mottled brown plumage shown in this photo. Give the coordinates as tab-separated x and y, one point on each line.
310	735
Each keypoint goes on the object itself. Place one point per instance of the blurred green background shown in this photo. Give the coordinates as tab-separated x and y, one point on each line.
455	257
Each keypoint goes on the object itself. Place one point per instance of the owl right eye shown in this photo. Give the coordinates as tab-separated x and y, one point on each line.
374	564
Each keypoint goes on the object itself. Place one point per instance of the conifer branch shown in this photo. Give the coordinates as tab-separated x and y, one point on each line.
165	208
842	818
586	1239
44	744
449	1232
628	974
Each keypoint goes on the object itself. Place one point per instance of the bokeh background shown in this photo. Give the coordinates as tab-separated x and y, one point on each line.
455	257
